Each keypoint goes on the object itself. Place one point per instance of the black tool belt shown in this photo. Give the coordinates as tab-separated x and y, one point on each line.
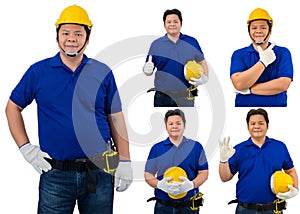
189	92
194	202
277	205
108	162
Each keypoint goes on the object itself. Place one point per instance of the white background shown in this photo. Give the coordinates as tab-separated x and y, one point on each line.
28	35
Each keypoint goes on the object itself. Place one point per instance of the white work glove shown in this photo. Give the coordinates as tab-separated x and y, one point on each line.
186	185
35	157
123	176
244	92
266	56
287	195
202	80
149	67
170	188
226	150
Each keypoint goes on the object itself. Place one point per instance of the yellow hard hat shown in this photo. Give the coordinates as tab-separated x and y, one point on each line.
74	15
259	13
280	181
192	69
175	172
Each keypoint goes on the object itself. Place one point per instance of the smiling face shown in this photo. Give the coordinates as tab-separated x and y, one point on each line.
173	25
175	126
72	37
259	31
257	127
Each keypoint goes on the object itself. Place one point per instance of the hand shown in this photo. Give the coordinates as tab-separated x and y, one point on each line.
149	67
226	150
35	157
123	176
170	188
287	195
244	92
267	56
186	185
202	80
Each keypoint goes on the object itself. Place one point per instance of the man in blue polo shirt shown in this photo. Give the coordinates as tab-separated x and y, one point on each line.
79	116
168	55
179	152
262	72
255	160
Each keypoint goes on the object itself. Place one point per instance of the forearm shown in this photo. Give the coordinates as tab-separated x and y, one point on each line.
119	134
150	179
224	172
292	172
16	123
205	66
246	79
201	178
272	87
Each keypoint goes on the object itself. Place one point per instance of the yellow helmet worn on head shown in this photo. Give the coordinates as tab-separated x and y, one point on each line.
259	13
74	15
192	69
175	172
280	181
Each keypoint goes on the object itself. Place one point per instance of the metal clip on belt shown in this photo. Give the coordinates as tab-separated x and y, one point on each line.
196	201
111	160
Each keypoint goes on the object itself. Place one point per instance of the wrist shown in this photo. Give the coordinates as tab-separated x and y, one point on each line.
24	144
223	161
263	63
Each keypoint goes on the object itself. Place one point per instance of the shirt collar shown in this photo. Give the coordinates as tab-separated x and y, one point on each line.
250	48
56	60
166	38
167	142
249	142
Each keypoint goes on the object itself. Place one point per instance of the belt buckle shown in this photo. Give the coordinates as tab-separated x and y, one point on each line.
81	160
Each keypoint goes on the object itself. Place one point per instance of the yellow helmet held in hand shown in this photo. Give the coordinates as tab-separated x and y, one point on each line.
74	15
175	172
259	13
280	181
192	69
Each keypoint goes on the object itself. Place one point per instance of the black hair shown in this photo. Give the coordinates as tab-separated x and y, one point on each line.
174	112
173	11
259	111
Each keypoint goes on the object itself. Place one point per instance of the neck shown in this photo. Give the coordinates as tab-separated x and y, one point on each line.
176	140
258	141
71	62
173	37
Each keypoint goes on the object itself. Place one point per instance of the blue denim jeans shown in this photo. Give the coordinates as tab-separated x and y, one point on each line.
60	190
162	209
241	210
162	100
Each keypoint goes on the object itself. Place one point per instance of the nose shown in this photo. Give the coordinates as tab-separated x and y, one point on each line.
71	39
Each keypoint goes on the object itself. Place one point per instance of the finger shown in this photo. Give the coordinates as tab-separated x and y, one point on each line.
117	181
271	46
227	139
168	178
182	178
150	58
259	49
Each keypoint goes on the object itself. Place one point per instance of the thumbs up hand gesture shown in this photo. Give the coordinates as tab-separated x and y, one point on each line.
149	67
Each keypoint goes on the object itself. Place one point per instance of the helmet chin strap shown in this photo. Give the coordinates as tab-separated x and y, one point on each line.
263	41
73	54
